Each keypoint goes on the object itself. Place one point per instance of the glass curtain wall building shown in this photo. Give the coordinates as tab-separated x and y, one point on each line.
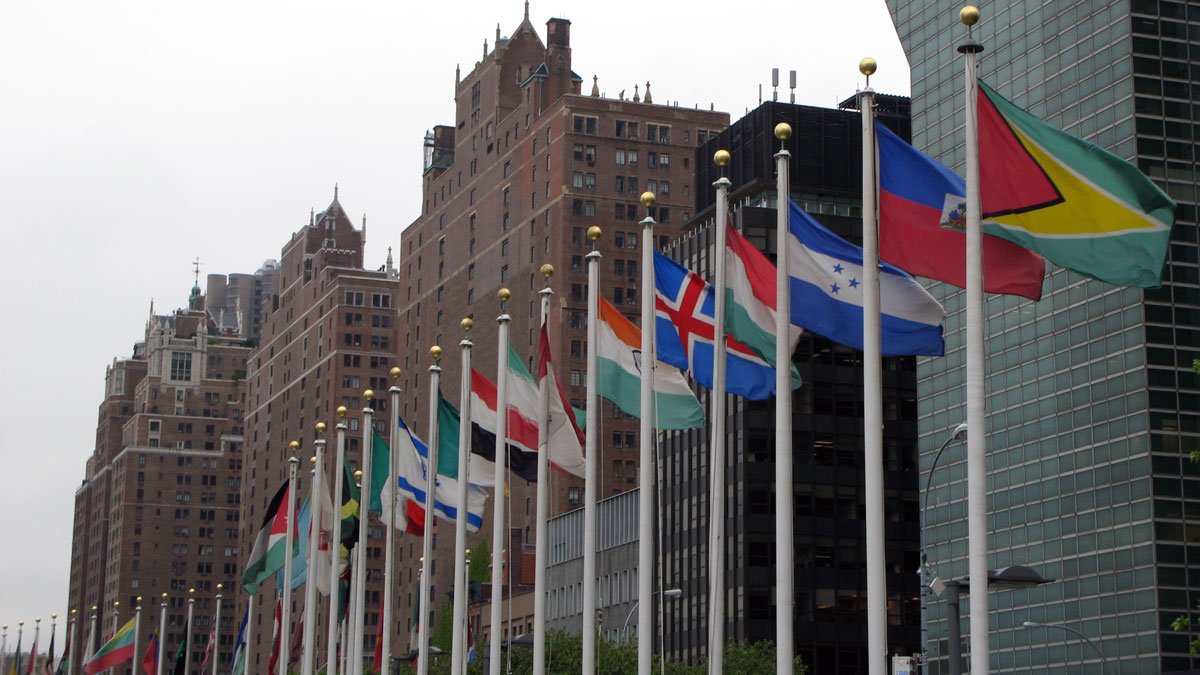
1092	400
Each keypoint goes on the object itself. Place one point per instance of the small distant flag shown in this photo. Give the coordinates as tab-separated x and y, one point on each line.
48	666
116	651
150	660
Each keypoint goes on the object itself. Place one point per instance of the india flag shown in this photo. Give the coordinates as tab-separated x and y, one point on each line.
619	360
116	651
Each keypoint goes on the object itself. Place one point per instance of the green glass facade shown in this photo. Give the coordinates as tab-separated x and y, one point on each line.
1092	402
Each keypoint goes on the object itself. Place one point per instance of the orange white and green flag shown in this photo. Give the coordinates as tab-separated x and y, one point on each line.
117	650
1079	206
619	374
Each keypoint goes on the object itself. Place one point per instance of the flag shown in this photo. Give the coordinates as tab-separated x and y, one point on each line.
922	216
349	513
239	646
750	299
685	328
1081	207
181	653
300	552
48	666
378	653
619	374
273	664
470	645
17	655
32	655
208	649
564	438
150	660
826	275
64	664
414	462
565	454
410	513
381	458
296	648
116	651
323	526
267	555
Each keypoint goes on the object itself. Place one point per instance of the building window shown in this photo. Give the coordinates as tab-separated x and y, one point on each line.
585	124
504	247
589	181
619	185
381	299
652	160
664	160
631	157
355	298
578	151
181	366
507	168
620	157
589	209
589	154
619	212
577	179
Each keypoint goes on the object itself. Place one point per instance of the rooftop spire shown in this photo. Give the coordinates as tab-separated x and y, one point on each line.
312	217
647	98
526	10
335	192
595	85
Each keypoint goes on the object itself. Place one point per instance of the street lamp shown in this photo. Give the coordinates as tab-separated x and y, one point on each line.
1013	577
960	433
1036	624
669	593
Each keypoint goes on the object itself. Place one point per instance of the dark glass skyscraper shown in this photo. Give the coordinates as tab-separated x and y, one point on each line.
1092	401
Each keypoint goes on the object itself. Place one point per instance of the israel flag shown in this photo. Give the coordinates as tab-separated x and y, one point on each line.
827	277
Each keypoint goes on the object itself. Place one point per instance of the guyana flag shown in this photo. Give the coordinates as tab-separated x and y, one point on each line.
116	651
1081	207
268	554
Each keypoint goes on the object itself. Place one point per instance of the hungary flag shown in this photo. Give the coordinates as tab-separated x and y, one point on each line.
1079	206
619	375
750	304
116	651
268	554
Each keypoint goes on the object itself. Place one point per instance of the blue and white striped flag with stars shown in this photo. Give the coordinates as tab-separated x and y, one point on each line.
826	273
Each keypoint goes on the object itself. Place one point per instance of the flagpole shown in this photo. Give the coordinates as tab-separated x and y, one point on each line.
716	462
500	477
249	644
37	629
388	555
4	649
90	650
187	637
289	544
646	450
431	467
591	450
784	498
457	653
364	515
21	629
542	534
976	441
216	655
335	544
48	665
162	635
307	665
137	632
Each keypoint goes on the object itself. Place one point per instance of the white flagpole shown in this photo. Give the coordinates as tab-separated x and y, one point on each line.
388	554
435	388
91	643
591	453
49	664
542	540
73	639
872	392
21	629
4	649
345	628
216	632
784	497
458	644
162	636
977	439
37	628
348	623
248	644
364	515
335	544
646	469
187	638
308	660
289	544
137	631
716	462
500	475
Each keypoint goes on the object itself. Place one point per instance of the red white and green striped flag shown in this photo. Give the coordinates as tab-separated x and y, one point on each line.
267	556
116	651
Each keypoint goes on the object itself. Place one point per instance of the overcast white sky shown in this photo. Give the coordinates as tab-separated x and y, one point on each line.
136	136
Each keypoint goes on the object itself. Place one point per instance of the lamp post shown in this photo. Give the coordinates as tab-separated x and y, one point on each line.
1037	624
960	433
669	593
1016	576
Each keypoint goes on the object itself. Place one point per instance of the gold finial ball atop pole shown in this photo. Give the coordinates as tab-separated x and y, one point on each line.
341	411
313	460
721	157
467	324
547	271
783	131
369	394
94	608
504	294
358	474
22	621
649	199
54	617
164	597
220	587
867	66
969	15
116	603
320	427
191	591
395	372
435	351
294	445
594	232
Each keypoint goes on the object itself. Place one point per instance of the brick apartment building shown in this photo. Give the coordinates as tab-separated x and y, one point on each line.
158	509
329	333
529	164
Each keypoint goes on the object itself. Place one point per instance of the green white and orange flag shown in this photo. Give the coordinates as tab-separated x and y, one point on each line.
268	553
619	361
1079	206
116	651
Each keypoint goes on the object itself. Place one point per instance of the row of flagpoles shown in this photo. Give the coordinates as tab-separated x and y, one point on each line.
821	283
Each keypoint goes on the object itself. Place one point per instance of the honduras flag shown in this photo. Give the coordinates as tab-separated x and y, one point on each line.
684	331
826	273
413	479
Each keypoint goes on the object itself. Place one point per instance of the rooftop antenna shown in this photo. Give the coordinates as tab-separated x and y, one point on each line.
196	270
792	78
774	84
